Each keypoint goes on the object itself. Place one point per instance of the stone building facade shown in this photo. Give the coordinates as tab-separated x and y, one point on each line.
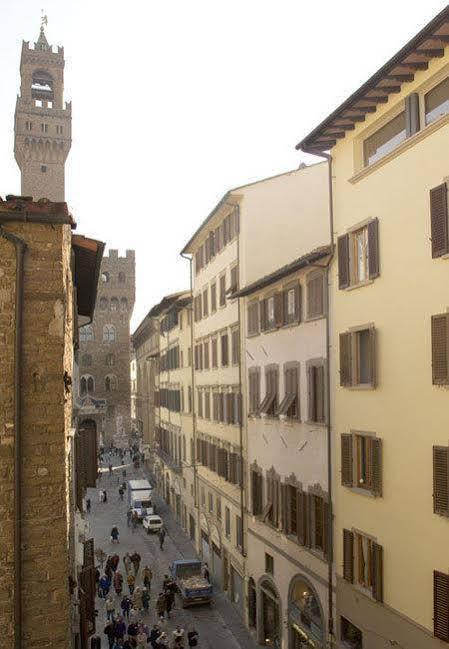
43	123
47	287
104	357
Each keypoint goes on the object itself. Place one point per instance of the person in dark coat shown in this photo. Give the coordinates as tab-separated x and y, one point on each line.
135	558
169	601
161	538
119	629
105	496
95	642
110	633
133	629
192	637
115	559
125	605
104	586
154	635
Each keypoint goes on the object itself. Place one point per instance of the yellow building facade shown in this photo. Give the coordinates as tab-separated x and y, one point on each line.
389	145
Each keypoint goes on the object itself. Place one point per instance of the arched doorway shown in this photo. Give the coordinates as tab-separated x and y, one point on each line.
269	615
305	616
252	604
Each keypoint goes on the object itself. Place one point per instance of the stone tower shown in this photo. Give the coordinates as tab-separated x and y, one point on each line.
42	123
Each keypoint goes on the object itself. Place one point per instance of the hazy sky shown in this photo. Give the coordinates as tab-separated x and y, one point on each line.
175	102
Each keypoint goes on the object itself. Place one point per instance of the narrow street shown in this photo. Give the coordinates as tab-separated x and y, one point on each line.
219	626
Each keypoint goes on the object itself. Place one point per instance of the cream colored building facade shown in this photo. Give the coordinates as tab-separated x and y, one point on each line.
145	341
390	162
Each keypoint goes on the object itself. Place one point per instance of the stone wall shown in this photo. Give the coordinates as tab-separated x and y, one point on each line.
46	419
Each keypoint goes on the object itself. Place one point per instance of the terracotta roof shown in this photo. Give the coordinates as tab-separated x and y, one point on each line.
88	255
428	44
284	271
23	208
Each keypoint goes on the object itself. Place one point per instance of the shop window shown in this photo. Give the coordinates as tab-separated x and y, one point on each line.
351	636
305	612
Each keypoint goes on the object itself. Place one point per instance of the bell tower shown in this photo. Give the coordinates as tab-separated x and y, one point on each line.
42	122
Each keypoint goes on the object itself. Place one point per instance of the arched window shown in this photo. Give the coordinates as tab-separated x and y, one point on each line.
271	615
252	603
108	333
110	383
86	385
105	277
114	304
110	359
103	303
86	360
305	609
86	333
124	304
121	278
42	86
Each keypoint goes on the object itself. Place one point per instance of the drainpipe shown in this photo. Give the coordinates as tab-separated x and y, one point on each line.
20	247
330	558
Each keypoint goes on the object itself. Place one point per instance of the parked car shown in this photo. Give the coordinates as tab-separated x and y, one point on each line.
152	523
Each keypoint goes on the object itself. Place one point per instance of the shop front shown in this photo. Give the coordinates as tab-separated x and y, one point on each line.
217	562
269	616
305	615
237	589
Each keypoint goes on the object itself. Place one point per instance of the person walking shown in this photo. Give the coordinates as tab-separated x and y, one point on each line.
147	576
121	493
137	599
160	606
136	558
110	608
115	560
101	495
154	635
169	601
129	514
162	641
105	496
146	599
127	563
132	629
118	583
131	582
134	521
192	637
114	534
104	586
125	605
95	642
119	629
109	632
88	506
110	469
141	638
178	634
161	538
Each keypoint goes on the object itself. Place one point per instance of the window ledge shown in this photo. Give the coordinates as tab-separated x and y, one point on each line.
315	317
404	146
361	387
322	424
366	282
362	492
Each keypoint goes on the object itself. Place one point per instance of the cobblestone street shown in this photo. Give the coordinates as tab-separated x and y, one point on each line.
219	626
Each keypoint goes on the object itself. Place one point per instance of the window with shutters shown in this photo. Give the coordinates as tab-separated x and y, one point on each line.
238	532
319	523
384	140
358	255
289	406
206	354
189	398
218	507
222	290
207	404
270	319
205	303
291	308
269	564
211	502
363	562
200	403
436	102
363	547
256	492
214	352
227	522
270	403
254	390
441	480
235	344
440	349
224	349
441	605
315	295
358	358
351	636
317	399
213	297
439	221
272	507
292	510
361	462
253	318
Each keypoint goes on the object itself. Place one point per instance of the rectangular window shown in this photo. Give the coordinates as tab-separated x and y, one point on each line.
270	312
439	221
234	279
317	405
213	297
205	303
441	480
256	493
361	462
218	507
269	564
253	319
189	398
363	562
214	352
227	522
200	403
270	403
440	349
351	636
235	346
238	532
319	523
363	547
292	305
215	396
223	290
315	295
385	140
290	404
358	255
211	502
224	350
357	358
254	390
436	102
206	354
203	497
292	505
207	404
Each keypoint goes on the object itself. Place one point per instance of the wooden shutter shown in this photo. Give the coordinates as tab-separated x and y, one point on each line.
412	114
439	220
263	315
284	508
376	466
319	394
325	528
298	303
346	460
441	480
348	556
440	348
346	359
377	572
303	518
278	309
441	605
373	248
372	355
343	261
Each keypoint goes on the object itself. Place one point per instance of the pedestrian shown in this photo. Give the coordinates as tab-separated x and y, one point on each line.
115	560
104	586
146	599
109	631
121	493
120	629
110	608
124	473
162	641
129	514
147	577
118	644
118	583
166	582
114	534
105	496
178	633
206	573
137	599
133	615
125	605
135	558
108	570
160	606
131	583
154	635
134	521
132	629
95	642
192	637
141	638
110	469
101	495
161	538
169	601
127	562
88	505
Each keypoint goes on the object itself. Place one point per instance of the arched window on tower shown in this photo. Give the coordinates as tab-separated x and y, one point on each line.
108	333
87	385
103	304
114	304
42	86
86	333
110	383
110	359
122	278
105	277
124	304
